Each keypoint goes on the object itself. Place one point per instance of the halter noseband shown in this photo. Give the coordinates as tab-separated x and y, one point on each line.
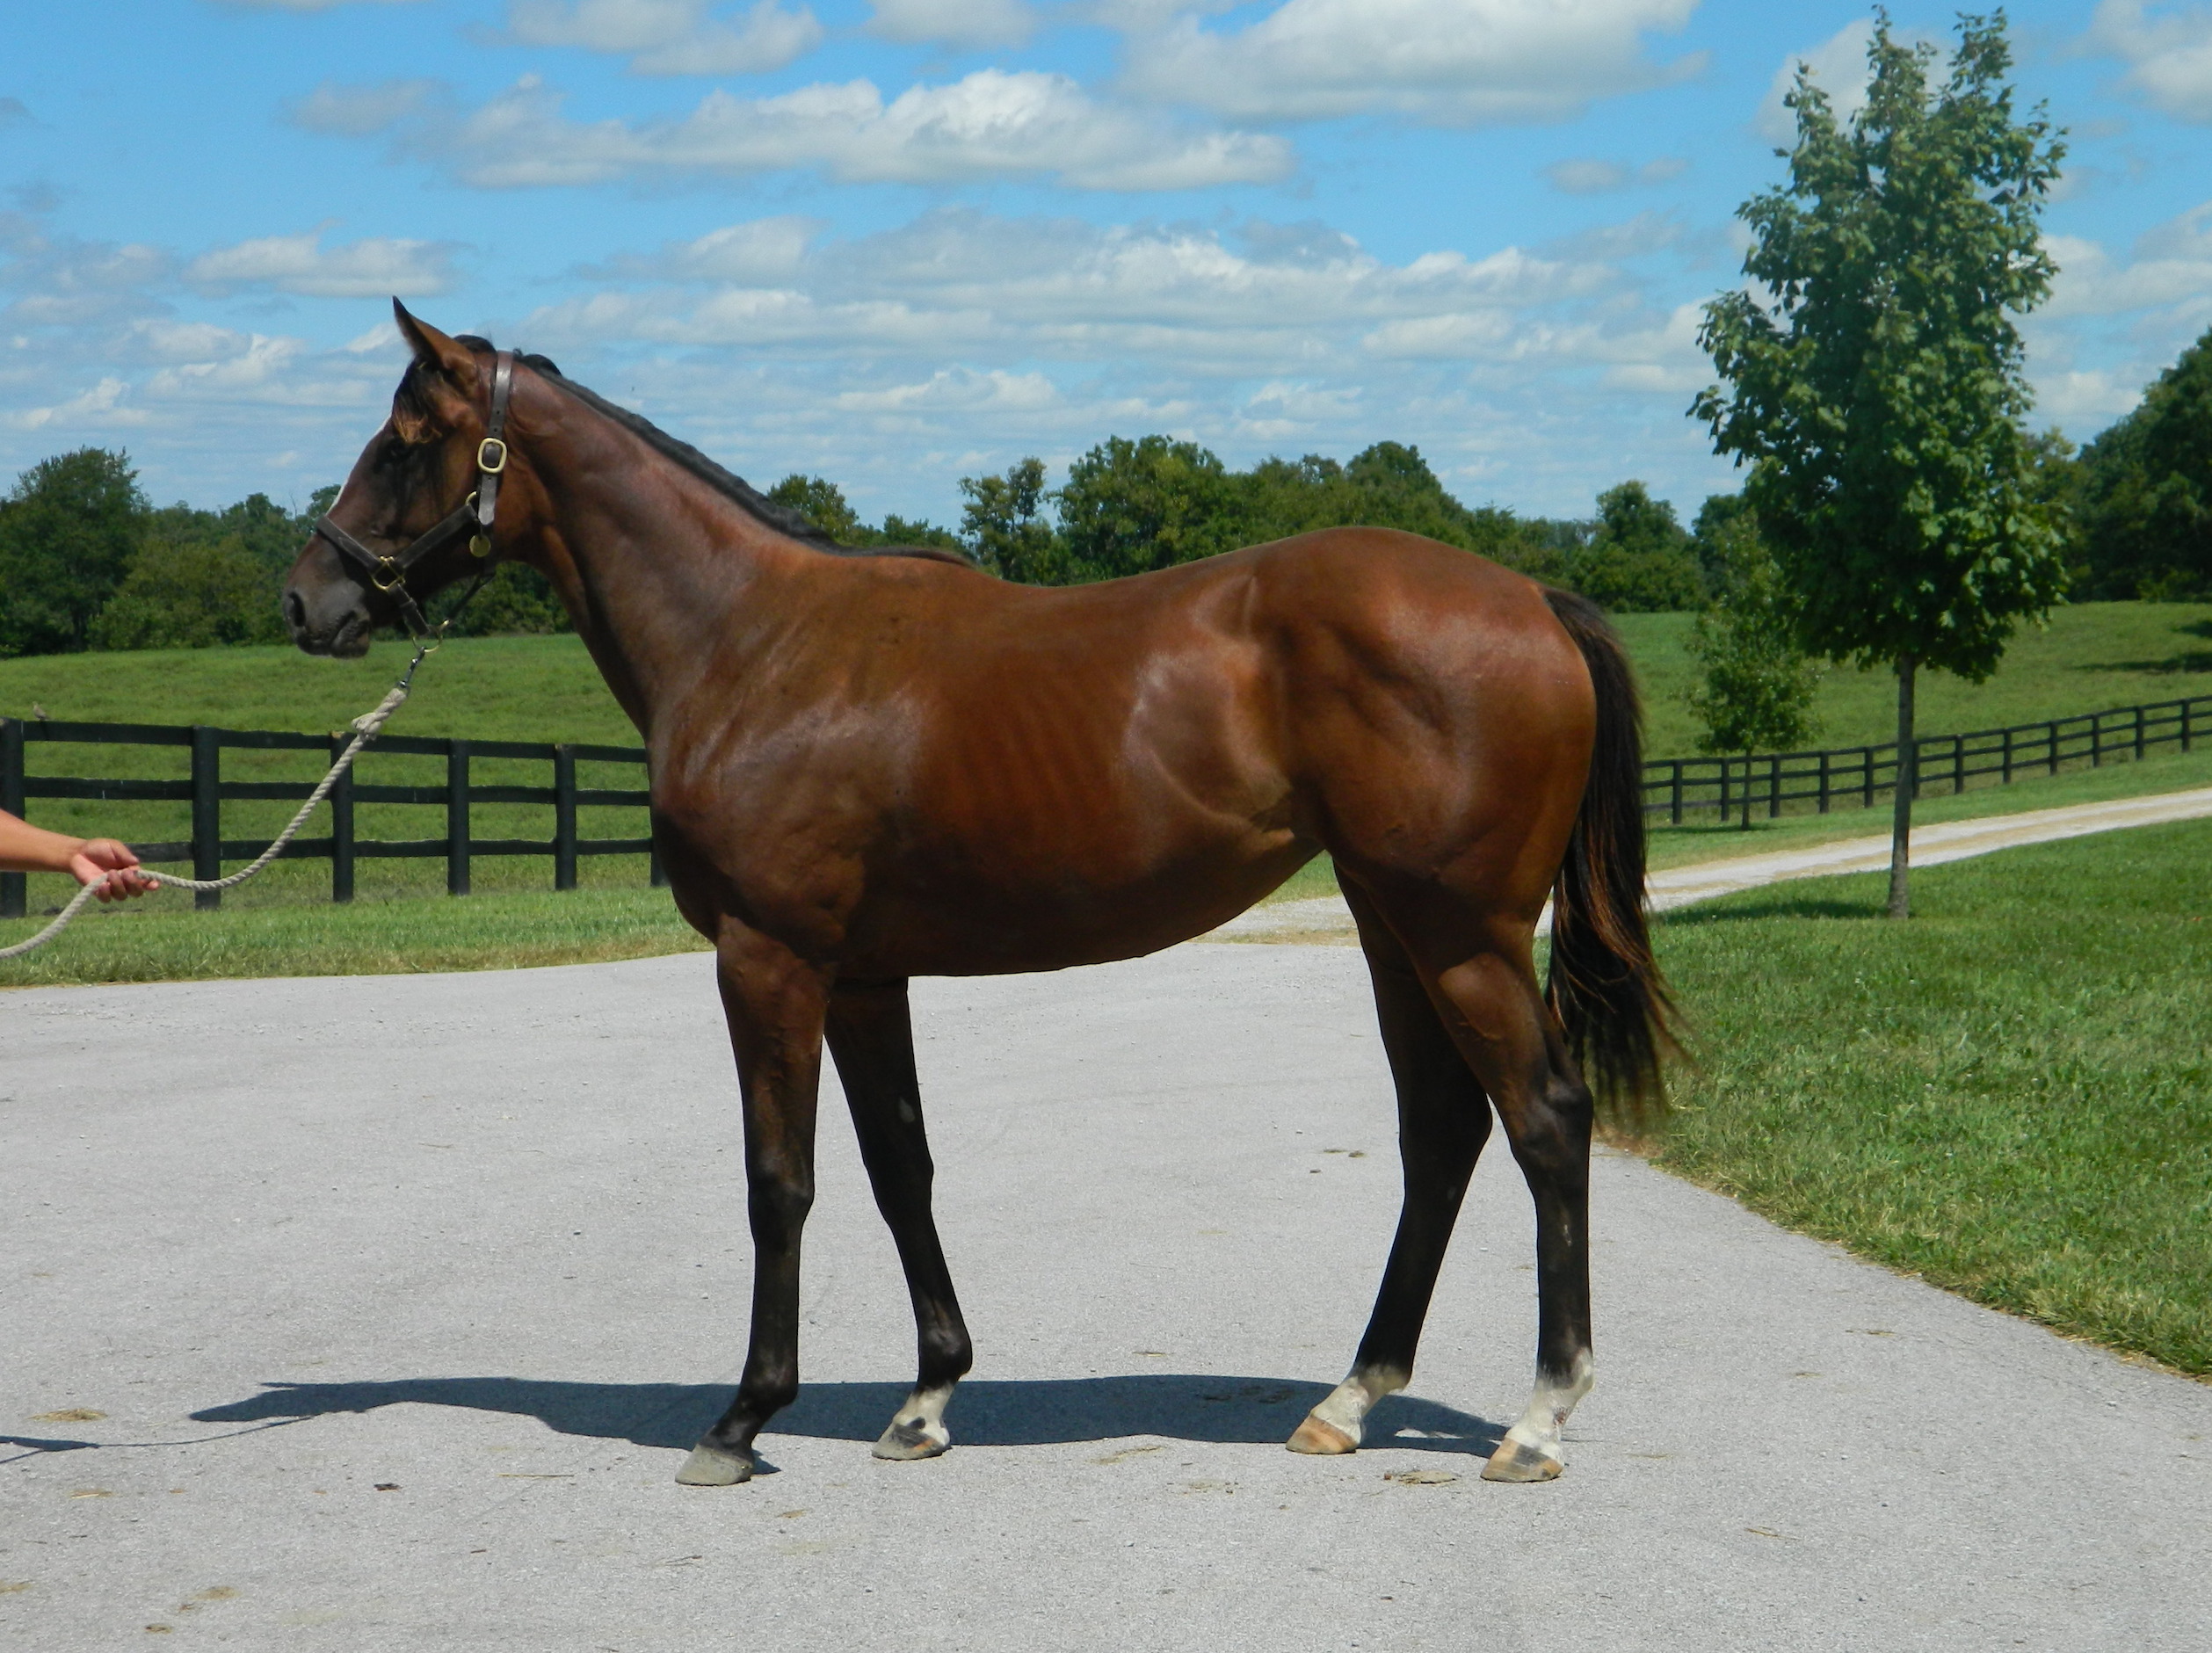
387	571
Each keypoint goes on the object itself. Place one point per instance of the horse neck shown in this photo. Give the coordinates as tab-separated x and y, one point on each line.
663	576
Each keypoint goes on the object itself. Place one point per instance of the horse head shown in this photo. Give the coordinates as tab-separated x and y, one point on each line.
405	526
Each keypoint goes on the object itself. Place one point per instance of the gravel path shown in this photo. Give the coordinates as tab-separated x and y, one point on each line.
377	1313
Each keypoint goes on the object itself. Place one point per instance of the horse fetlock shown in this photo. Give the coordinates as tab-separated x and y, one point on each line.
919	1430
713	1466
1338	1424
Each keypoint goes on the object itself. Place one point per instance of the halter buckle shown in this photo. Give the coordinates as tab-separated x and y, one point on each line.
388	565
486	462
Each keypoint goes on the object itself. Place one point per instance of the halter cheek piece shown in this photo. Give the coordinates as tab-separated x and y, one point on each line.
387	571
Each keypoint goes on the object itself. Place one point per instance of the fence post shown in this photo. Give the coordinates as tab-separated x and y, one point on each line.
2187	707
2051	727
14	889
2008	757
457	818
2097	741
1867	775
206	813
1824	783
1724	792
1774	786
564	818
1674	794
341	826
2138	734
1958	765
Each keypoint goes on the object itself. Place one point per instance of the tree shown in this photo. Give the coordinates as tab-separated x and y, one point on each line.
1875	374
187	591
1005	527
822	503
1129	507
68	532
1756	691
2145	501
1638	559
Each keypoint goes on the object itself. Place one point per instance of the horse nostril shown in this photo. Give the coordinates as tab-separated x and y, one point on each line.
295	612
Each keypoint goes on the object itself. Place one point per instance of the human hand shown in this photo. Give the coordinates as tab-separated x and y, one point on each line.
112	866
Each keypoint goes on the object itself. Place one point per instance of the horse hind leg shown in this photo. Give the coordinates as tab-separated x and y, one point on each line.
1496	1016
871	1037
1443	1121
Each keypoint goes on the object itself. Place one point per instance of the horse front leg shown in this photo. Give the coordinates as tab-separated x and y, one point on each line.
776	1004
871	1037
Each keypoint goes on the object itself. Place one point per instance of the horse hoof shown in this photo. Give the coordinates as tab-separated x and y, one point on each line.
1325	1440
711	1467
905	1442
1513	1460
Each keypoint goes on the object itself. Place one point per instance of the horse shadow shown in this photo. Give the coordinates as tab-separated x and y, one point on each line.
987	1412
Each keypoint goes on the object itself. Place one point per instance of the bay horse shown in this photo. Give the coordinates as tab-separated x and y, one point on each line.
867	767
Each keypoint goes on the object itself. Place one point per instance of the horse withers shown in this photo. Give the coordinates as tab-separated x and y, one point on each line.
872	765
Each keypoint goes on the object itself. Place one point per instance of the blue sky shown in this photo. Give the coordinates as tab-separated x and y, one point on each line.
902	242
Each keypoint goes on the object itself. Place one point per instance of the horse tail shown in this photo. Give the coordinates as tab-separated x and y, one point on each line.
1604	985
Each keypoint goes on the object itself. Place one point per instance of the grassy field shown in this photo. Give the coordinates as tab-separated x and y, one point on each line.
2010	1096
2092	656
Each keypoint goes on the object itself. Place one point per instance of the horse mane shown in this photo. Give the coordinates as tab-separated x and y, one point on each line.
728	483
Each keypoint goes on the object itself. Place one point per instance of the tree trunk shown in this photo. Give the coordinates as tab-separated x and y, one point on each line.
1908	783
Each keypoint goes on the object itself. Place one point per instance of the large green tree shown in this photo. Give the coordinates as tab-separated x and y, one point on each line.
2145	491
1129	507
1639	560
68	532
1874	372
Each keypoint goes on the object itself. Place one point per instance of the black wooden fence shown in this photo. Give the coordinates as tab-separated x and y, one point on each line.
1678	788
206	792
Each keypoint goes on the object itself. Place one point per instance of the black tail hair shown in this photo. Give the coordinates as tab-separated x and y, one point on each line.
1604	985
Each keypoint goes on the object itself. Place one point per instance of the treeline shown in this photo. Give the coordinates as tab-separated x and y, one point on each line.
1131	506
87	563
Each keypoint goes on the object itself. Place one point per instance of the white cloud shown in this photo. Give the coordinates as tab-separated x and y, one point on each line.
356	111
101	406
670	37
1839	66
989	123
1451	62
301	264
1591	175
2170	271
2168	52
953	22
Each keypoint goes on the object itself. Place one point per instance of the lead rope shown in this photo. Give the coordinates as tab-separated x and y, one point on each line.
365	729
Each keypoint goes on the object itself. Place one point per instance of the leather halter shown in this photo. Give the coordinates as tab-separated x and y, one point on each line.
387	570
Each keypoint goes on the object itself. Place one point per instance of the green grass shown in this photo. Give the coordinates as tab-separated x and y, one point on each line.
2010	1095
2092	656
159	938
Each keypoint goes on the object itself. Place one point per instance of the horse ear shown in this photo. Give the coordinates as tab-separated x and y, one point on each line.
433	349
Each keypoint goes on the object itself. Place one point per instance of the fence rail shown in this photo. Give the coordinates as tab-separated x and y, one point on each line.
1676	788
205	790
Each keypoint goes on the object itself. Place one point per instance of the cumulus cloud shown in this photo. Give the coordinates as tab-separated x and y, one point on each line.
670	36
953	22
2168	52
301	264
357	112
1591	175
990	124
1450	62
1839	66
